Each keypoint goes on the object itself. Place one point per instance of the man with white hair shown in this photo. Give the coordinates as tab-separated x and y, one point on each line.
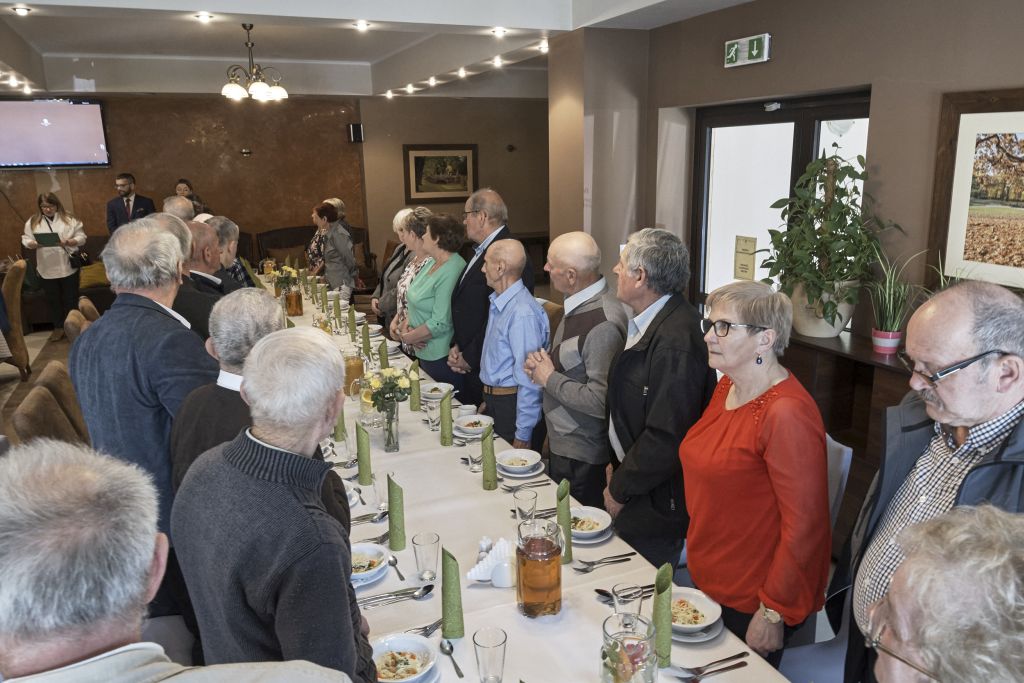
231	272
204	261
179	206
80	556
575	374
955	607
271	579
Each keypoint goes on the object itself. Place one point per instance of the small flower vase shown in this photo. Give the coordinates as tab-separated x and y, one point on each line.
390	415
294	301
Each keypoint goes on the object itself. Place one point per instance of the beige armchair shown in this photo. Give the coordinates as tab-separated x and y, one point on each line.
16	336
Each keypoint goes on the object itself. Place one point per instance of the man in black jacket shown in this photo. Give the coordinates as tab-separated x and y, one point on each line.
485	217
658	388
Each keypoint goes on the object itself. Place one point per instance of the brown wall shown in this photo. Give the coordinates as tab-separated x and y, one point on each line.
520	176
300	155
908	52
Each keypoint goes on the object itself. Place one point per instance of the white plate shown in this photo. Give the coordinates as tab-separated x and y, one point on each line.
712	610
537	469
709	633
596	514
608	533
373	550
442	388
532	459
362	583
463	421
353	497
408	642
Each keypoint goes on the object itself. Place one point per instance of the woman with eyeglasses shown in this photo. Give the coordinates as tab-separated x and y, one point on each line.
756	475
55	235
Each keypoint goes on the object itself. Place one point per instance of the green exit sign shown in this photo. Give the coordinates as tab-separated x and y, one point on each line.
749	50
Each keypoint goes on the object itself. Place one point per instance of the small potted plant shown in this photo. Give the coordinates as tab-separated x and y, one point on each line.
891	298
826	246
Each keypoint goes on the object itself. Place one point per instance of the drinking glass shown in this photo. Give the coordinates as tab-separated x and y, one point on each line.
380	488
489	644
434	415
525	503
425	547
628	598
627	655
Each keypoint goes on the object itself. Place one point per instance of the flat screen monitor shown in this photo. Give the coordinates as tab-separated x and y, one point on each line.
51	134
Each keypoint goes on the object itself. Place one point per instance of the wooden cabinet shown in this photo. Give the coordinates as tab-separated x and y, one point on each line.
852	386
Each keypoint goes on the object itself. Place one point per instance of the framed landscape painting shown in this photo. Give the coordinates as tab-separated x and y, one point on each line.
978	205
439	173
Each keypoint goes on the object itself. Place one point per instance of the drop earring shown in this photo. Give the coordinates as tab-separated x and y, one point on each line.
759	360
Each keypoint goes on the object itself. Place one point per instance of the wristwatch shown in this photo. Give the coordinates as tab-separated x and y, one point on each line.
770	615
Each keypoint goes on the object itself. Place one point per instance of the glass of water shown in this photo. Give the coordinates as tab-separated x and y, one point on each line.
434	415
425	547
489	644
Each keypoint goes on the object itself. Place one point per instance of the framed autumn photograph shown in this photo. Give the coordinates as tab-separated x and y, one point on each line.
439	173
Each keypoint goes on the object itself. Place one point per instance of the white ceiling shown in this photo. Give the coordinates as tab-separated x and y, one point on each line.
154	46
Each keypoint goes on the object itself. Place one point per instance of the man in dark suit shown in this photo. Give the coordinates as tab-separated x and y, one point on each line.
205	259
485	217
127	206
136	364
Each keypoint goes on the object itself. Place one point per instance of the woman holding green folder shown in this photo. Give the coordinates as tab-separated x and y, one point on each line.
55	235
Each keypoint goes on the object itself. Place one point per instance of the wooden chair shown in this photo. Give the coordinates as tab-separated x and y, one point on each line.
555	313
88	309
74	325
40	416
16	336
56	379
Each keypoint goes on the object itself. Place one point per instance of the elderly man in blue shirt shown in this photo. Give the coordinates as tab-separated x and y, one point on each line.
516	326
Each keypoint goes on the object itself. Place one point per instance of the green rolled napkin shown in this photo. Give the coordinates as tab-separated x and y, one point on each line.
289	323
363	456
313	291
396	516
564	519
340	432
323	297
352	322
451	597
382	354
414	386
490	464
366	339
337	309
287	261
446	419
252	276
663	614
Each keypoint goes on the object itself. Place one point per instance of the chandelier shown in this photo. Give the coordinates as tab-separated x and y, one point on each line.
253	83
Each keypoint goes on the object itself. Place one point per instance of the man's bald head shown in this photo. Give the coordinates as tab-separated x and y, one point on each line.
205	248
574	262
512	254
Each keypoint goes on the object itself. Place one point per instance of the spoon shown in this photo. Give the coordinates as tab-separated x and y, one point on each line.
345	465
393	561
379	517
359	492
446	648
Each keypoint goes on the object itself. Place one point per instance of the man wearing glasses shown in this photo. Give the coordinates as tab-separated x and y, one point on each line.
958	440
127	206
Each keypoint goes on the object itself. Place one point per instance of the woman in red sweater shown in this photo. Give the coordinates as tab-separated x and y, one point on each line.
756	475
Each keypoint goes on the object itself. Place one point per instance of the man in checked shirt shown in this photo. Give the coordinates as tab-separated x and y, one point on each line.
957	439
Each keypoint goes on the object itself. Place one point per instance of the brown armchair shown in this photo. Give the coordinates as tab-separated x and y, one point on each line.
40	416
16	335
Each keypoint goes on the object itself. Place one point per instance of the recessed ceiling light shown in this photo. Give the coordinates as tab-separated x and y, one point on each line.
362	25
21	11
389	94
543	47
204	17
431	81
497	62
409	89
499	31
462	72
27	89
12	81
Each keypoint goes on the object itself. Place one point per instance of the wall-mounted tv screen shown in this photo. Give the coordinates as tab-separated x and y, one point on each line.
51	134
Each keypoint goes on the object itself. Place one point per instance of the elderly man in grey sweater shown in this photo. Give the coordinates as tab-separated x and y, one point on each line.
267	567
575	374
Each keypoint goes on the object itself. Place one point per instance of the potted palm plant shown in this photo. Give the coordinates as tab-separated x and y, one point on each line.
825	247
891	298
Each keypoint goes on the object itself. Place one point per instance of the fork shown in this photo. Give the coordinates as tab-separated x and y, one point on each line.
378	539
602	560
541	513
707	674
591	567
427	630
528	485
677	670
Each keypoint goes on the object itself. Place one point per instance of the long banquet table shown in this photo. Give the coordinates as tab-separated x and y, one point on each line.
441	495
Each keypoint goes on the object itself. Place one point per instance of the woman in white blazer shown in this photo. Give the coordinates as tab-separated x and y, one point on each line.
59	277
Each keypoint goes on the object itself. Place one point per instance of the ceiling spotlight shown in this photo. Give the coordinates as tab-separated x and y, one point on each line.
462	72
431	81
389	94
27	89
204	17
12	81
362	25
497	62
409	89
499	31
21	11
543	47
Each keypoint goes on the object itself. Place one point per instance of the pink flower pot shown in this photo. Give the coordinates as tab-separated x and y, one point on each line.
884	342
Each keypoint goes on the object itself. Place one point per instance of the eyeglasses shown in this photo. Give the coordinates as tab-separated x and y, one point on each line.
465	214
876	627
936	377
722	327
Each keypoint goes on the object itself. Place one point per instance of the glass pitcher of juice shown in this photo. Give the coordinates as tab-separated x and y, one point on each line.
539	567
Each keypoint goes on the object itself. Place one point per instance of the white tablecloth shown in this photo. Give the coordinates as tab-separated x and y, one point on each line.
442	496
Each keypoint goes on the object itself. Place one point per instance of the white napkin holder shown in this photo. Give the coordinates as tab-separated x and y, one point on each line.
497	566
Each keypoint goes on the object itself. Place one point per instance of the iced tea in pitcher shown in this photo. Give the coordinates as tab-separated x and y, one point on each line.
539	567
